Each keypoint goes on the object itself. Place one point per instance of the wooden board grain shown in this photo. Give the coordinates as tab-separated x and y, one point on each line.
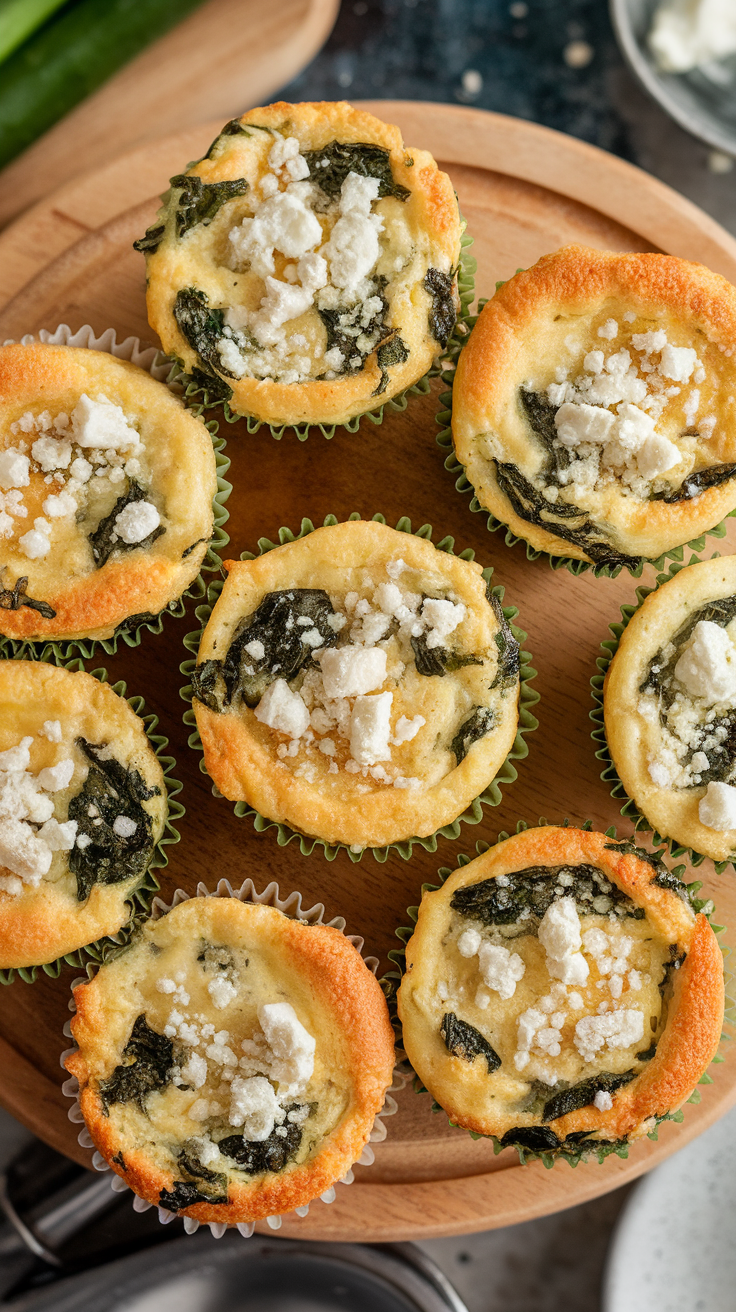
427	1179
222	59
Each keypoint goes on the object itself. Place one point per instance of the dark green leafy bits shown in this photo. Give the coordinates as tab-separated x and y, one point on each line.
465	1041
199	201
273	1153
330	166
395	351
583	1094
104	541
15	597
527	894
151	1059
476	726
443	314
108	792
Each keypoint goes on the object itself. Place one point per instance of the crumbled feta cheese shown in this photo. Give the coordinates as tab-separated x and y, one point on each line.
292	1046
603	1101
678	363
616	1029
137	521
123	826
609	330
51	729
51	453
352	671
59	506
101	424
370	728
583	423
500	969
81	470
468	944
686	34
283	710
559	934
717	809
254	1105
353	249
14	468
56	777
707	666
657	456
441	618
58	837
406	730
195	1070
22	851
222	991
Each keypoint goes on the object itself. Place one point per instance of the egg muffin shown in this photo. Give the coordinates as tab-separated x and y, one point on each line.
357	684
232	1060
670	708
305	270
82	806
106	488
594	406
560	993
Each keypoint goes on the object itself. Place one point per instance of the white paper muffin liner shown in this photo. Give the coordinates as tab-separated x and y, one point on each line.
159	366
290	906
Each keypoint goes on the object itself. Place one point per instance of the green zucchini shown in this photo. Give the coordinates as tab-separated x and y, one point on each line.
70	57
19	19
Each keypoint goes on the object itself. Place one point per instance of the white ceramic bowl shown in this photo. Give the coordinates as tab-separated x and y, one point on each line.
698	103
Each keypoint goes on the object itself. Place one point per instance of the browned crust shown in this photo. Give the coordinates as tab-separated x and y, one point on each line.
92	604
47	922
693	1028
433	213
240	754
672	812
336	972
580	280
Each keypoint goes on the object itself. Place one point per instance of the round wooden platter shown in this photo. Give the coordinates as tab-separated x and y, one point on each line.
524	190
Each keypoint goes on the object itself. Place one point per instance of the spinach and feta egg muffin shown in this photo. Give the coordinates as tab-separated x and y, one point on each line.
232	1060
82	806
560	994
594	407
106	488
306	269
356	684
670	708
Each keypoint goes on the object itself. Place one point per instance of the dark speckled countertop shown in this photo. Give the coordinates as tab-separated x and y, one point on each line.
511	57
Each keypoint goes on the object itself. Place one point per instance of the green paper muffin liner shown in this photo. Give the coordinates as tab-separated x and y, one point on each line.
141	897
392	980
292	906
464	486
491	796
609	773
199	397
159	366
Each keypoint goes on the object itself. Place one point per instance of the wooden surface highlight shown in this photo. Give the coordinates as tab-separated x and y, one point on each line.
428	1179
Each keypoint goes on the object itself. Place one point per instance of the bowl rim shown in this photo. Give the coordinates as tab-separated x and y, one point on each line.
654	85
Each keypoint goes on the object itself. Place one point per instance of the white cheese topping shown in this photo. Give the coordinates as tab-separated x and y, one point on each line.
292	1046
370	729
350	671
559	934
283	710
254	1105
102	424
137	521
14	468
707	666
717	809
614	1029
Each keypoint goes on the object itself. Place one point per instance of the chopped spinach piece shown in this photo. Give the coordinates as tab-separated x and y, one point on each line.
188	551
465	1041
330	166
437	660
199	1185
104	540
540	415
280	625
529	504
509	656
442	315
235	129
696	483
133	621
537	1138
120	1160
216	387
202	327
200	201
395	351
151	239
583	1143
669	969
478	724
272	1154
527	895
109	791
583	1094
663	875
345	325
150	1059
647	1056
15	597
